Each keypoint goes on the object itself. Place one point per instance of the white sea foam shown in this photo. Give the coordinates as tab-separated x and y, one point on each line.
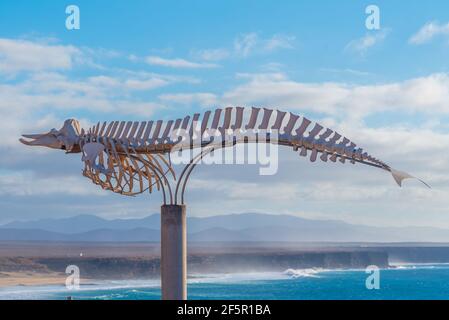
47	291
235	277
256	276
303	273
408	266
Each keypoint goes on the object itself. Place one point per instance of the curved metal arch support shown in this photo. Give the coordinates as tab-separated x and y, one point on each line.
183	178
191	167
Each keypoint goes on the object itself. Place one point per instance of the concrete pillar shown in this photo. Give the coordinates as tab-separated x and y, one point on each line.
173	252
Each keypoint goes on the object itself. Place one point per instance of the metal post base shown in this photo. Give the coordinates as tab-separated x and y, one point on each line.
173	252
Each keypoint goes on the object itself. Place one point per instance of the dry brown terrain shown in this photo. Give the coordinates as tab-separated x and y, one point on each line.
8	279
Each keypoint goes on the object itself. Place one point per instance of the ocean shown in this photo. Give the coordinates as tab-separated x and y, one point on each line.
423	281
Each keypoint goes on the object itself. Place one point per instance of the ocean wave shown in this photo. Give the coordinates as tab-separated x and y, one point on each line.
410	266
139	286
134	286
303	273
235	277
256	276
48	291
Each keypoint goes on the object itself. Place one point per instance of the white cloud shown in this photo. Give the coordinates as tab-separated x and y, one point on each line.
147	84
177	63
140	108
212	54
100	93
272	67
28	184
203	99
24	55
429	31
245	43
427	94
253	191
347	71
368	41
279	41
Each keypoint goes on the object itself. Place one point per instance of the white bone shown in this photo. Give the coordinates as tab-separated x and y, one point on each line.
342	145
238	118
133	131
399	176
127	128
120	129
278	122
120	140
140	132
185	123
323	156
177	124
146	135
302	128
290	124
97	128
253	118
194	124
157	130
102	129
167	131
91	151
204	122
332	142
349	151
314	132
324	136
114	127
265	119
226	121
216	119
108	129
313	155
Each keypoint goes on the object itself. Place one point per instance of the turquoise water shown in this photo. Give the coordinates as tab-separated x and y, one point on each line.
404	282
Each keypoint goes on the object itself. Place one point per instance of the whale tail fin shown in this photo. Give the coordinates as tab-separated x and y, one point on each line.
398	176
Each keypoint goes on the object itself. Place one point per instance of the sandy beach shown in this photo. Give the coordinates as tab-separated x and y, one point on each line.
10	279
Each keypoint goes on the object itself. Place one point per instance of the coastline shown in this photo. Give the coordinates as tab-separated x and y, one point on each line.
25	279
11	279
303	284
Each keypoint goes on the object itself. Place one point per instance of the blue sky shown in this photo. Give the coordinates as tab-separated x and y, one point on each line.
388	89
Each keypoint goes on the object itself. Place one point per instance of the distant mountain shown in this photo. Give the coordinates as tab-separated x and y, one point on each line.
223	228
220	235
85	223
100	235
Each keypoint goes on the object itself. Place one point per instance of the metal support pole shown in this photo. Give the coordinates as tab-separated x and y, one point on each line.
173	252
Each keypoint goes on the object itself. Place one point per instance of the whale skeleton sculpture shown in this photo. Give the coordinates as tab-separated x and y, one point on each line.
133	157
